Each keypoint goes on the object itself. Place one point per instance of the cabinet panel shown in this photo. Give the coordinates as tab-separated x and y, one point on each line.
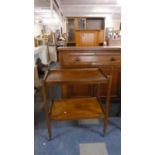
116	80
71	29
86	90
87	38
108	59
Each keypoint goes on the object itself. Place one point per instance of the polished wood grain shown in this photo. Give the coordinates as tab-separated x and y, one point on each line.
75	109
108	58
79	108
73	76
87	38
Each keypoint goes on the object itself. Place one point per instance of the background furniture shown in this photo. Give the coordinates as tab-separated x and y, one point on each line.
74	24
108	58
113	37
87	37
37	82
77	108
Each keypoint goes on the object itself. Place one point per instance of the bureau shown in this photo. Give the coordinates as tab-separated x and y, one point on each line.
108	58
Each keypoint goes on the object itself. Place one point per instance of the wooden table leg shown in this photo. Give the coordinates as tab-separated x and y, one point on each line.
105	120
46	110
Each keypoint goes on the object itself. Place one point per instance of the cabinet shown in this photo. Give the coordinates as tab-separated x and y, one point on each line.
84	23
108	59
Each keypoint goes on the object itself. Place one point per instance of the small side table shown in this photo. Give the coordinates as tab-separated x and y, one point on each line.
76	108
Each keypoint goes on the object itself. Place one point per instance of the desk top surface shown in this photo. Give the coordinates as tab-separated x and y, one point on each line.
93	75
96	48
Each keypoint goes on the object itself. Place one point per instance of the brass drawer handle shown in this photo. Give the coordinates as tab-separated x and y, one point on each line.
112	59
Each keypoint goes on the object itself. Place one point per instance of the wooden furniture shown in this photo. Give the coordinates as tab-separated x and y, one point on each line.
76	108
108	58
87	37
74	24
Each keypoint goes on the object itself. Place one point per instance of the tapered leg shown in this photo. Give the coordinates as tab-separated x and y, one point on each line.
106	113
105	120
46	110
49	131
49	128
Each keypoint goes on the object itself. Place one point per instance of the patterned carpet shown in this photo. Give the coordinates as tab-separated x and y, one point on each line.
78	138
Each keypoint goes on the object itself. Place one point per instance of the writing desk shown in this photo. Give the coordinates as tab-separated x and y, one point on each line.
76	108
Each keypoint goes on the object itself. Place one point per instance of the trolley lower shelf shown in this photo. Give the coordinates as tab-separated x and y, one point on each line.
75	109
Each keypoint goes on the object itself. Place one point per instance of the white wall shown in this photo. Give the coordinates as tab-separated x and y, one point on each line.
115	23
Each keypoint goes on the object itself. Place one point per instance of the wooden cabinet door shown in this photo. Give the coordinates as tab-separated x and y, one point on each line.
87	38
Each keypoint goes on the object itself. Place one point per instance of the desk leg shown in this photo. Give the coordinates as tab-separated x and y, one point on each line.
46	110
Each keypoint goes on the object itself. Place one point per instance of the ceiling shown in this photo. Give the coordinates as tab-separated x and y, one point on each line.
41	3
99	8
92	8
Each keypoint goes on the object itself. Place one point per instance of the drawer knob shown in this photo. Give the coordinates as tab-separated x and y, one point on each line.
77	59
112	59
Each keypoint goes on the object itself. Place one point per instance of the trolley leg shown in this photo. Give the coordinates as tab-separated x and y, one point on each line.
105	120
49	129
46	110
106	116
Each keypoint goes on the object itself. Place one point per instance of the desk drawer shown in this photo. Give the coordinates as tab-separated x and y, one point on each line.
92	59
107	60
